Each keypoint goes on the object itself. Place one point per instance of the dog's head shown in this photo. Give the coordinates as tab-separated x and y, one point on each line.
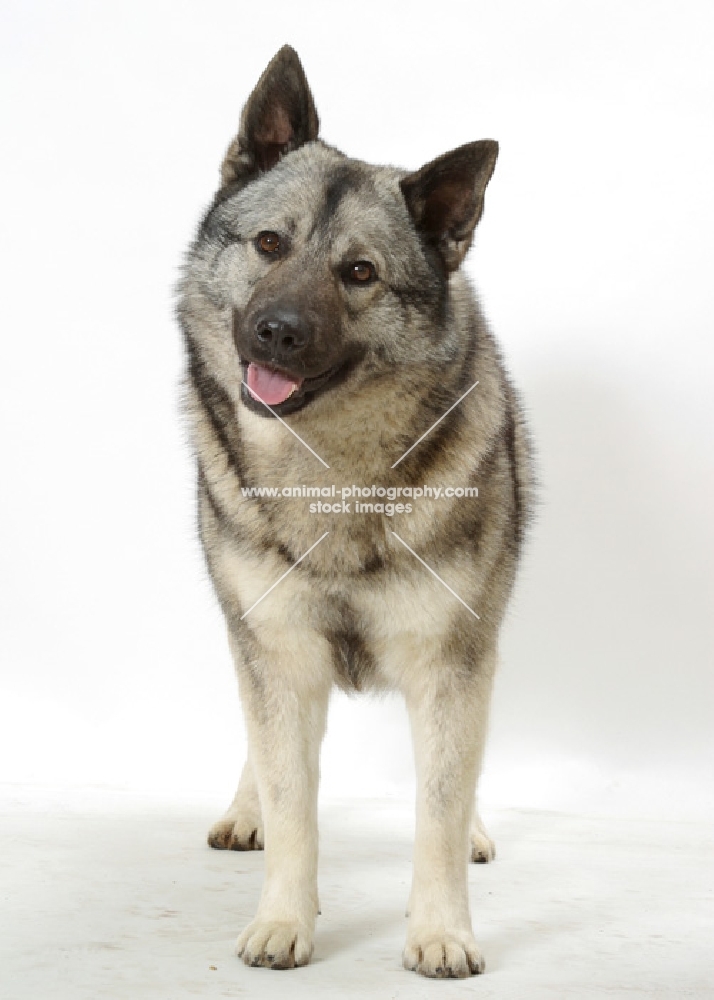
316	270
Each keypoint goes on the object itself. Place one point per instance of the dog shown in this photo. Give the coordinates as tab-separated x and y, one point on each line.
335	349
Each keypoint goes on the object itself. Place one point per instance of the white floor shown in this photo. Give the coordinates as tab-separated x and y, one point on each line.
104	895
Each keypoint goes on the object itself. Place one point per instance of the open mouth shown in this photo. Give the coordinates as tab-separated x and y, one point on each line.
268	390
270	386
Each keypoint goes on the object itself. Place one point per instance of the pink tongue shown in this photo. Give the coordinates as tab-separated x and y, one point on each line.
269	386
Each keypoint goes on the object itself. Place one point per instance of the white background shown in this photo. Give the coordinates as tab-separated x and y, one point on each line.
594	263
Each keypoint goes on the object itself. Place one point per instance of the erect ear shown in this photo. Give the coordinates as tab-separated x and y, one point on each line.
279	116
445	198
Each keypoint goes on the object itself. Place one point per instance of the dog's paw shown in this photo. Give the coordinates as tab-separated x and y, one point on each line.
483	848
237	831
275	944
443	956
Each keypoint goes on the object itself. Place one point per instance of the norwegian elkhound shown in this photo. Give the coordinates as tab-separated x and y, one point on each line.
347	401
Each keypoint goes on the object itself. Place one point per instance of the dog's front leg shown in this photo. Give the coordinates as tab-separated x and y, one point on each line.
285	692
448	708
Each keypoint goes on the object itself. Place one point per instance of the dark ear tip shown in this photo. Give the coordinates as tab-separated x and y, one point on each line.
485	150
492	146
286	54
286	63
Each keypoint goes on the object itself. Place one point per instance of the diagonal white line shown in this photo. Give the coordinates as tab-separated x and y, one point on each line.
432	428
284	575
436	574
256	396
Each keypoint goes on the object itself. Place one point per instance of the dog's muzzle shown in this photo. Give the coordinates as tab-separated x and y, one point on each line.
280	334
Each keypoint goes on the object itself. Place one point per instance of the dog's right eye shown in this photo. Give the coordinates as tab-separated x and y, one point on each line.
268	243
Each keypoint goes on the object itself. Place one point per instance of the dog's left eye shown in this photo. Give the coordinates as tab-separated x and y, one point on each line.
360	273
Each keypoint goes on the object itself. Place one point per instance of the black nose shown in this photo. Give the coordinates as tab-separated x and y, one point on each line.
282	332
